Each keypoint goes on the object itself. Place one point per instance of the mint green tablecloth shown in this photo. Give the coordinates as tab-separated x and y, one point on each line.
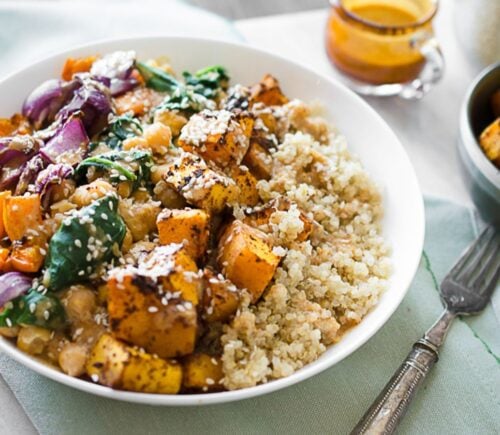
460	397
462	393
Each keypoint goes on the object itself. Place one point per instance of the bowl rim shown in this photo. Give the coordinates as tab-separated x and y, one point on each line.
470	142
227	396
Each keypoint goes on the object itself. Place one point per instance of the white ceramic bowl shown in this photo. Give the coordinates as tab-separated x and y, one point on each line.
368	136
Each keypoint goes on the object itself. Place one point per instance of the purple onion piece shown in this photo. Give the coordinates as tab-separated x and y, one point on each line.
120	86
68	145
12	285
14	155
11	172
51	176
92	102
29	173
47	99
116	65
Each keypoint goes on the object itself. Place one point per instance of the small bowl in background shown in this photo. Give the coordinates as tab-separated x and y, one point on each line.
482	177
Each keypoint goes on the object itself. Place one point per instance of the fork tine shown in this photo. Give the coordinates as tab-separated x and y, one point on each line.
490	269
469	259
485	261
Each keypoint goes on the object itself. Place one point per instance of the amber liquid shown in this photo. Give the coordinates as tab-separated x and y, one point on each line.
374	55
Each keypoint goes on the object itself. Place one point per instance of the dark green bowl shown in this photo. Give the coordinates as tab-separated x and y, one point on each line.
481	175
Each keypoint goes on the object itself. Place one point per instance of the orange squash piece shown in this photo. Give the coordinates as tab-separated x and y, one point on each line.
259	161
4	254
268	92
20	214
77	65
220	298
3	196
27	259
202	372
246	259
188	226
138	101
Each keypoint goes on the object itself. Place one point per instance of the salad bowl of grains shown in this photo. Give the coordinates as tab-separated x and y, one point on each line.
189	221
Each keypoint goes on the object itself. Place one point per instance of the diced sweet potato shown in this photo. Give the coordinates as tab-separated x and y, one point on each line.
220	299
154	306
268	91
17	124
246	258
149	374
202	372
4	255
114	364
262	216
27	259
77	65
200	185
490	142
138	101
188	226
220	136
20	214
247	185
258	160
3	196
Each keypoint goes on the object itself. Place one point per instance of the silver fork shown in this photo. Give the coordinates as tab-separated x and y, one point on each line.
465	290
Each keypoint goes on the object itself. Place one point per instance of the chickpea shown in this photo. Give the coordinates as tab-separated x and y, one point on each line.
72	359
80	304
158	172
84	195
11	332
135	142
33	339
170	119
159	137
168	196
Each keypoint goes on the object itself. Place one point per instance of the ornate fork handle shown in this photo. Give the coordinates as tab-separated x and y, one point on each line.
392	403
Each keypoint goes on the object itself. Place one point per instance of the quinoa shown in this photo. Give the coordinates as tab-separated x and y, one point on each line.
323	285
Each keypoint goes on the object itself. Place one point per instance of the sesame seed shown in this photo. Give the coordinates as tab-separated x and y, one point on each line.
46	315
104	216
78	243
153	309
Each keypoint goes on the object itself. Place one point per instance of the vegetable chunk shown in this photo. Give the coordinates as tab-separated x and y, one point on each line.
21	214
154	305
268	91
202	372
114	364
219	136
200	185
246	258
188	226
258	160
490	142
220	299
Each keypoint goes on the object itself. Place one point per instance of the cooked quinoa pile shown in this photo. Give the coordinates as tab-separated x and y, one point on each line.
167	234
323	285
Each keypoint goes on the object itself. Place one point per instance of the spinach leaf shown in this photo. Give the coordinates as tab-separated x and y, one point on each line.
134	165
186	100
157	79
119	129
90	237
208	81
34	308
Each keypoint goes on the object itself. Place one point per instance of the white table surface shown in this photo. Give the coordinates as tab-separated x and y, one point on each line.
428	129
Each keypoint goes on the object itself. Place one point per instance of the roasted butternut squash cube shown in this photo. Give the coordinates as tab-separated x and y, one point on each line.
114	364
107	361
21	214
188	226
3	196
219	136
149	374
262	216
247	185
268	92
220	298
202	372
200	185
490	142
137	101
76	65
27	259
154	305
259	161
246	258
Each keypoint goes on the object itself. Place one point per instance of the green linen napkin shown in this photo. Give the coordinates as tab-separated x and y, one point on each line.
461	395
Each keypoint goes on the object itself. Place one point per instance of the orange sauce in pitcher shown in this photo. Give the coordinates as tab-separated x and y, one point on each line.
370	40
